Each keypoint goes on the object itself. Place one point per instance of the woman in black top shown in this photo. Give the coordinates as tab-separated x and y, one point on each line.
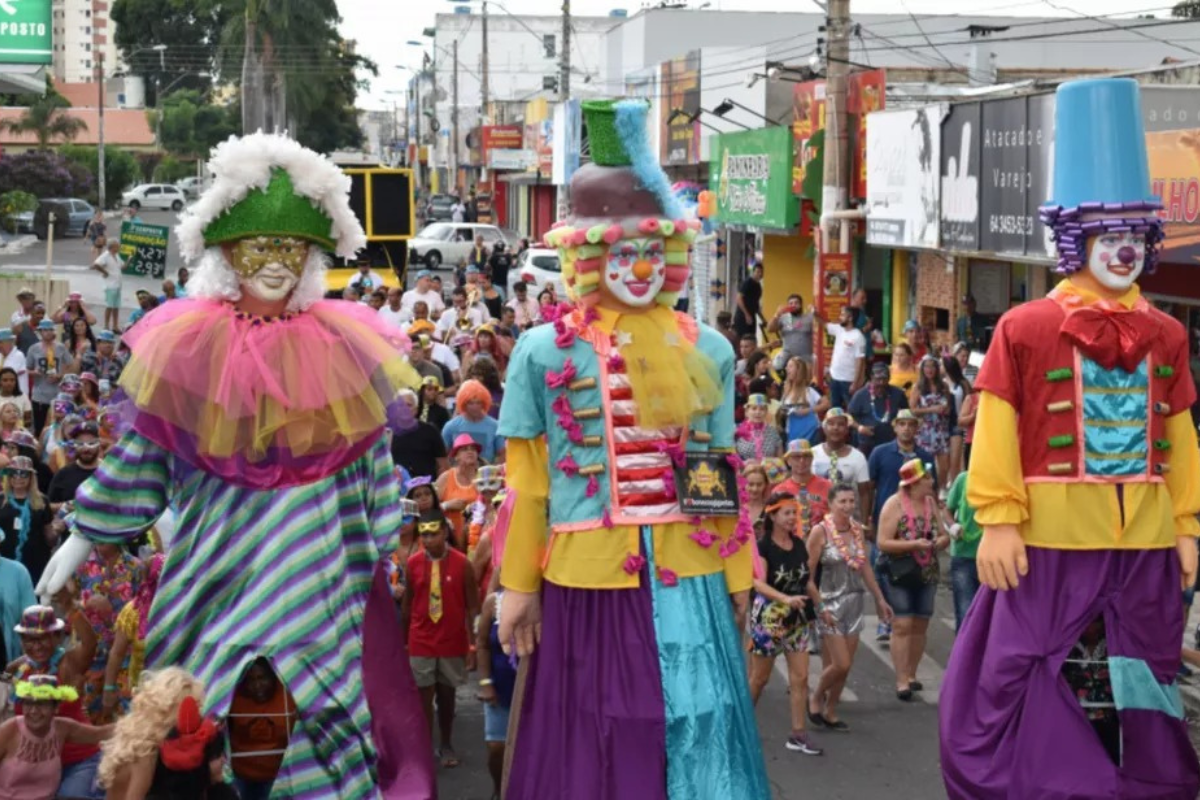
779	618
24	517
429	404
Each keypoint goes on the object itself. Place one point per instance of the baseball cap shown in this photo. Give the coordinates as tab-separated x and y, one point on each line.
835	412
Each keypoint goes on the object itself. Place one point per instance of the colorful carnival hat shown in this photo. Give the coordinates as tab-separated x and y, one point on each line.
70	383
45	689
269	185
20	464
416	483
912	471
39	621
904	415
757	400
489	478
21	438
1101	170
799	448
835	412
622	194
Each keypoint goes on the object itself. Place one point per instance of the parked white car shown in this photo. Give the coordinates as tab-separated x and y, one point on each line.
446	242
192	187
538	267
155	195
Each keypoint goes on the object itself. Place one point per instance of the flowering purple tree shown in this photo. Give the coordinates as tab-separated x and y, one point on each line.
44	174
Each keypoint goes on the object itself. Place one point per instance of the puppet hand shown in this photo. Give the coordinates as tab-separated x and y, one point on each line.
1001	559
1186	547
521	622
65	563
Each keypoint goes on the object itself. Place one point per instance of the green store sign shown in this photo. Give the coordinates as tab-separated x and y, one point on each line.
25	27
752	179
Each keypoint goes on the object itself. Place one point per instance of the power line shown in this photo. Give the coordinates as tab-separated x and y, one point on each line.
1119	27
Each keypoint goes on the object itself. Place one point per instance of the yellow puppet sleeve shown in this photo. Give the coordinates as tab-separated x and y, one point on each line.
528	475
1183	477
739	567
996	484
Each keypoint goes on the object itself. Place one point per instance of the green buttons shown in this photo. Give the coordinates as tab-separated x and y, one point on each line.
1164	371
1162	444
1066	440
1060	374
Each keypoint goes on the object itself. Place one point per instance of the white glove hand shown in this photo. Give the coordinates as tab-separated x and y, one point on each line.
63	564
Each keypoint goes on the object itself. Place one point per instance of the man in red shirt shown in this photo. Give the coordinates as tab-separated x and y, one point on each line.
810	490
439	604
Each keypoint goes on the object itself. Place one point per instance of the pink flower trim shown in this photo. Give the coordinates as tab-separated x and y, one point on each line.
562	406
613	234
575	433
616	362
590	315
735	461
744	531
668	576
606	518
694	521
564	339
560	380
633	564
703	537
669	484
648	225
593	487
567	466
674	450
729	548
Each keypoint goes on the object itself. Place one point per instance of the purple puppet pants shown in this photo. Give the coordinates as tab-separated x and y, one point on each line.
1011	728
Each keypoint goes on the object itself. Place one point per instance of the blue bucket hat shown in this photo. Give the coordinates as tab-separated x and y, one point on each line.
6	335
46	325
106	336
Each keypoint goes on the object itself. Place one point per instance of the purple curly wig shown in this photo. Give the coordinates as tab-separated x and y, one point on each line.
1070	231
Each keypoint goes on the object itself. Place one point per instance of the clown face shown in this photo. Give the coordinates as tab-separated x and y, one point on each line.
269	267
636	271
1116	259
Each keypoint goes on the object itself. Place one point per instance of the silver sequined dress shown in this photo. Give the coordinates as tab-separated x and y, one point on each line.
843	590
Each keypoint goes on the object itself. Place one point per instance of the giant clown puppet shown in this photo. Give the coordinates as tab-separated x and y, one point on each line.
258	415
635	684
1086	480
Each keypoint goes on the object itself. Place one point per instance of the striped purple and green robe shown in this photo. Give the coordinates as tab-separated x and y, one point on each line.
280	573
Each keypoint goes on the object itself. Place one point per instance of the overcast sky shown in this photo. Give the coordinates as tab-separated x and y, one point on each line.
382	29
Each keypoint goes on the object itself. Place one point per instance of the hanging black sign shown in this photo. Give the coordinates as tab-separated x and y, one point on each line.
960	177
1005	220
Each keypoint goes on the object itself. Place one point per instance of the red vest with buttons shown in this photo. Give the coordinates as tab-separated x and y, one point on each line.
1034	365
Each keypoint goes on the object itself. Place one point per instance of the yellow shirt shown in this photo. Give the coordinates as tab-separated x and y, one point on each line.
1081	515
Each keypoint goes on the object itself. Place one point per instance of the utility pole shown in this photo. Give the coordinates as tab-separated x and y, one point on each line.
564	78
836	183
454	121
483	80
100	134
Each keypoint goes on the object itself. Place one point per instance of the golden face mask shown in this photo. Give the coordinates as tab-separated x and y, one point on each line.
250	255
429	527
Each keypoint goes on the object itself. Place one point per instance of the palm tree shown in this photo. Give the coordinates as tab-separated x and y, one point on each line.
46	119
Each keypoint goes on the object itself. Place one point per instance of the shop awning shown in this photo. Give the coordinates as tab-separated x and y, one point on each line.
22	79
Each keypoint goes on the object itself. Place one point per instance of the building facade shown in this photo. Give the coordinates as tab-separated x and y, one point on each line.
83	36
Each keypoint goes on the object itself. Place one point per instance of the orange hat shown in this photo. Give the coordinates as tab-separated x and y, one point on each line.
421	326
473	390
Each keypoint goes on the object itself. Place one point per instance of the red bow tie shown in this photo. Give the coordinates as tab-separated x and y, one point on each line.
1112	338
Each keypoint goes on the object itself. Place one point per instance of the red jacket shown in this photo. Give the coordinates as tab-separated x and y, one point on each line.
1036	364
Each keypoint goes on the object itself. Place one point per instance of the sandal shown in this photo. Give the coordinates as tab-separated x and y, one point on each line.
915	686
836	725
904	694
448	758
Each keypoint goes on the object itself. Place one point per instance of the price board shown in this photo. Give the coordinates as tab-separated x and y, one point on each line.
144	249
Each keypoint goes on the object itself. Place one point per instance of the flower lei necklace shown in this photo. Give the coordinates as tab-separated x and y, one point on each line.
756	432
856	558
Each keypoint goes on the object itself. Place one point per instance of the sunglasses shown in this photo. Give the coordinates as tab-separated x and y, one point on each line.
491	486
17	473
89	446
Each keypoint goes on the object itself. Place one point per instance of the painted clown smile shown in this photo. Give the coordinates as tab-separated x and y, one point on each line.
638	288
636	270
